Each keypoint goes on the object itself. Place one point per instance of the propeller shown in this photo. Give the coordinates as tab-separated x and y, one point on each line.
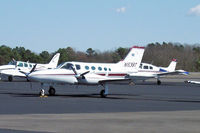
32	70
81	76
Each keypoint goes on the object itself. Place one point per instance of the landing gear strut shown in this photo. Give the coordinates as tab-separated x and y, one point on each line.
104	92
52	91
10	78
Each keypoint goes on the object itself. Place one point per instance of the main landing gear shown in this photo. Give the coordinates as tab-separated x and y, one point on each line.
158	82
10	78
104	92
52	90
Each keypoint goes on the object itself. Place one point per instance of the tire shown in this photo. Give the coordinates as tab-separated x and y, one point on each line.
102	93
52	91
158	82
10	78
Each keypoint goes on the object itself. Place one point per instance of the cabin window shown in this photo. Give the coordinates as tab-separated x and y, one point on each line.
93	68
99	68
25	64
20	64
67	66
109	69
30	65
78	67
87	67
146	67
151	67
105	68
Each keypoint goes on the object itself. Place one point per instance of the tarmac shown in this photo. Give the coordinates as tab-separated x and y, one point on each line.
173	106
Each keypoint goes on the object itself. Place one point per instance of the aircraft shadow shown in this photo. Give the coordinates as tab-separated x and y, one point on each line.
134	97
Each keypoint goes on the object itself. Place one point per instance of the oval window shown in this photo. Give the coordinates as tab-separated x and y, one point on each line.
93	68
87	67
105	68
99	68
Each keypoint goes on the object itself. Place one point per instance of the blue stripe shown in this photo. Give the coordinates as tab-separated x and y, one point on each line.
162	70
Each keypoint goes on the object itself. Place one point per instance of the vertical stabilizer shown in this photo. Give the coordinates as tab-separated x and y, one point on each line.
54	61
133	59
172	65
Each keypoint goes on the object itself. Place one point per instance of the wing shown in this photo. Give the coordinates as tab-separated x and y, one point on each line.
113	80
173	73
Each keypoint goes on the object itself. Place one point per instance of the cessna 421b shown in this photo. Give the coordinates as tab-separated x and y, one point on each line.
147	71
82	73
12	70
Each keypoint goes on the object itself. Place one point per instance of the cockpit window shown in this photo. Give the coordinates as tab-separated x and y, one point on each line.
146	67
151	67
67	66
20	64
78	67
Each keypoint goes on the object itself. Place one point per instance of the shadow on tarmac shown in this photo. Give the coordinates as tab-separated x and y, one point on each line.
110	96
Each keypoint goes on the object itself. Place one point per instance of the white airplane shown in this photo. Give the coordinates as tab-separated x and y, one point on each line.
147	71
192	82
12	70
82	73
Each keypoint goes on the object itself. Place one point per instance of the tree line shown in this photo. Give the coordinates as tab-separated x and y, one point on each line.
159	54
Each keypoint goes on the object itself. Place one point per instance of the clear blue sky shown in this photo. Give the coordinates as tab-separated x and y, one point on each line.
104	24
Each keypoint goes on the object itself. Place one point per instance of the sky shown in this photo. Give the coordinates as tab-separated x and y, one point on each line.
47	25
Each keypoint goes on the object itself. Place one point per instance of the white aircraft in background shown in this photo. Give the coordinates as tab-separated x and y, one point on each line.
10	71
82	73
193	82
147	71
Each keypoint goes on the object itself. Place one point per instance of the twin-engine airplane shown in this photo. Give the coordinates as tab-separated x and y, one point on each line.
13	68
147	71
82	73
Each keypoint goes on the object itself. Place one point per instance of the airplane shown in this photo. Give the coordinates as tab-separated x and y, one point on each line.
192	82
8	72
147	71
84	73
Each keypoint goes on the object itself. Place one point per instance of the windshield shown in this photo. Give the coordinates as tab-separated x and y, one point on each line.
67	66
60	65
12	63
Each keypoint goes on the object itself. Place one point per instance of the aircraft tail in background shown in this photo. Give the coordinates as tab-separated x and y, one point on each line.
133	59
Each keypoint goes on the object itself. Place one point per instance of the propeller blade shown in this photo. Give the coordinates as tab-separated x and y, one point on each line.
84	73
74	70
33	69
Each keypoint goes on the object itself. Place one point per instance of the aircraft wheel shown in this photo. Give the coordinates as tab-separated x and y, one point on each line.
158	82
42	92
52	91
102	93
10	78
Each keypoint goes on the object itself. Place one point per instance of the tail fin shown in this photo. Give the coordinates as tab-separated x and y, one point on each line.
54	61
172	65
133	59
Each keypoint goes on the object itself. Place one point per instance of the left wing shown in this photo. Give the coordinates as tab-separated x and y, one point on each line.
173	73
113	80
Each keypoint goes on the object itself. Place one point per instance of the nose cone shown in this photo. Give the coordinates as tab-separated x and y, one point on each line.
53	76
